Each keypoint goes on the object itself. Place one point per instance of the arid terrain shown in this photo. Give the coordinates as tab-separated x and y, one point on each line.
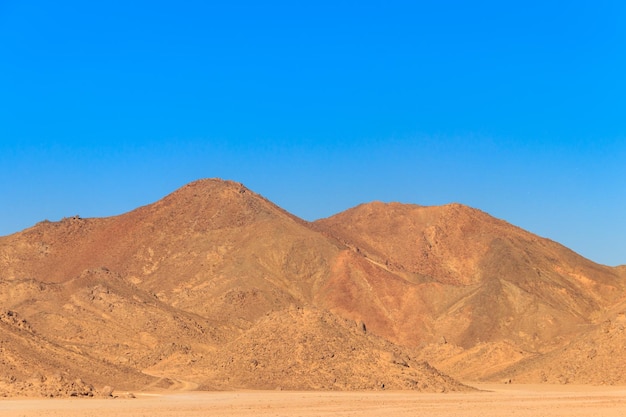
517	400
215	288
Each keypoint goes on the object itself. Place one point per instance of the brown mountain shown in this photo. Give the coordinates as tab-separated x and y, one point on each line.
168	289
214	287
496	293
477	278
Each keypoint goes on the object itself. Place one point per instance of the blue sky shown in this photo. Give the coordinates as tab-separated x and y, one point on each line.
516	108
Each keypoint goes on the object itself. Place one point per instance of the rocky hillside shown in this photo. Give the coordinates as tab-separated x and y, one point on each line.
215	287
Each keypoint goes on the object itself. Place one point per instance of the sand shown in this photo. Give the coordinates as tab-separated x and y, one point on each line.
500	400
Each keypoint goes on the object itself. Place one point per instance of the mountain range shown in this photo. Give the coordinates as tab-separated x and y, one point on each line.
214	287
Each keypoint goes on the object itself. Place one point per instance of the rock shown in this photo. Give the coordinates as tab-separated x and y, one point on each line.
107	391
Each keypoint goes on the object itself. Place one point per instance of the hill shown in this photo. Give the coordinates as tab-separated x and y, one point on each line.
488	294
215	287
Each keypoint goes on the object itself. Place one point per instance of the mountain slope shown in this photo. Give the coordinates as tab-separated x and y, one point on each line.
218	288
475	278
166	288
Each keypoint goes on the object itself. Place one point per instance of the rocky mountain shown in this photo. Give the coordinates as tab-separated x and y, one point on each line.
476	278
215	287
490	295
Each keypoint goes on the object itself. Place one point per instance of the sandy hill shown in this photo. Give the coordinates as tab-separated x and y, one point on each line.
215	287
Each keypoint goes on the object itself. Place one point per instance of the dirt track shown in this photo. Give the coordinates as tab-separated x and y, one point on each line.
516	400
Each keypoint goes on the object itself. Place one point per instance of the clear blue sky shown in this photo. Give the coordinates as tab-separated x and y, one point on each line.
516	108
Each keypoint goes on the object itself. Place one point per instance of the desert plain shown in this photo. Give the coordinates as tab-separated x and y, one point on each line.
524	400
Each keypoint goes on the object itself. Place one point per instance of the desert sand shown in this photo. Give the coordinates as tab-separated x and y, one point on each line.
494	400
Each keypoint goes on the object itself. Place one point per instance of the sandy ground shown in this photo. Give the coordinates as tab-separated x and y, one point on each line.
509	400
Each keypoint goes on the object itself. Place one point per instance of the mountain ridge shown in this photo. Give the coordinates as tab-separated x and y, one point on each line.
162	292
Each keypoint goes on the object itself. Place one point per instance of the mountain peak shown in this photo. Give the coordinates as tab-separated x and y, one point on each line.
213	268
211	203
212	183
